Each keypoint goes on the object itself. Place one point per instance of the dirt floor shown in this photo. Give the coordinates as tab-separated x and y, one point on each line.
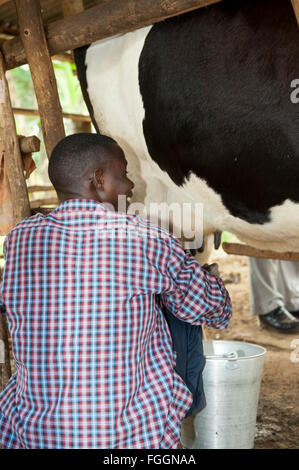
278	411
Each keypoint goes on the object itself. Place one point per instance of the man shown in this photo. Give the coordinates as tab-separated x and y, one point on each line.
274	293
93	353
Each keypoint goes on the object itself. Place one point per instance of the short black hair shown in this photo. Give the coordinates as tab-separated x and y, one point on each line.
74	155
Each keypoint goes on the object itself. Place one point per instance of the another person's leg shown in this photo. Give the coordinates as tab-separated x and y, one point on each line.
289	285
267	299
264	293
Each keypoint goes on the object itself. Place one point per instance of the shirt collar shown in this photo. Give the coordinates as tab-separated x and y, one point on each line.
80	204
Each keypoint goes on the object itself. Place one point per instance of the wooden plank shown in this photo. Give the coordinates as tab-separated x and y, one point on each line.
295	4
42	72
246	250
99	22
12	155
35	112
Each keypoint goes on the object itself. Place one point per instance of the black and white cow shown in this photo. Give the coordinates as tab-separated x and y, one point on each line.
201	104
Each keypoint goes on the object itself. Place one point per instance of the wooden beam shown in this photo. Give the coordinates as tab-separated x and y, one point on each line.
81	127
245	250
71	7
12	30
6	36
34	40
295	4
99	22
35	112
12	156
64	57
38	188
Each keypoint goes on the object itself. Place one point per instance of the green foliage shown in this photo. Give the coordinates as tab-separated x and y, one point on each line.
69	88
229	238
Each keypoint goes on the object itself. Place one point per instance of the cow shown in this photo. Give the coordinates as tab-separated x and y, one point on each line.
202	106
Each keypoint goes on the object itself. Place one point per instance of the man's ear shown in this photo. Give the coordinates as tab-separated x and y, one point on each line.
98	178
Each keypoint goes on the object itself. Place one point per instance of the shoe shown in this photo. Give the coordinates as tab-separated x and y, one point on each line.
280	320
295	314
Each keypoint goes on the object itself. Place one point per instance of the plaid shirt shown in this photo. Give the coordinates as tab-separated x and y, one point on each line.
93	352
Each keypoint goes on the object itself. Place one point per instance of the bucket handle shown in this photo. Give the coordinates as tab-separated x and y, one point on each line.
231	357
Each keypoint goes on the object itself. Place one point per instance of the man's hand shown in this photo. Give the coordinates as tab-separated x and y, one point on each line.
212	269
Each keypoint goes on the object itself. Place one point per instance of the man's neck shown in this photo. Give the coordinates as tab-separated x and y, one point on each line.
66	196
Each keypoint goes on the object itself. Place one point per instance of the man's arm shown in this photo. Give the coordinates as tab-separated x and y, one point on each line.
193	294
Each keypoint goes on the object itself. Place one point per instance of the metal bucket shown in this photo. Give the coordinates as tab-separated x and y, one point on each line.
231	378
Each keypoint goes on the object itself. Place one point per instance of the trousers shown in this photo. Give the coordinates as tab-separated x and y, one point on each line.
273	283
190	362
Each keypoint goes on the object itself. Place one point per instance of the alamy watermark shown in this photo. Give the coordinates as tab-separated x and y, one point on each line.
184	221
295	93
295	353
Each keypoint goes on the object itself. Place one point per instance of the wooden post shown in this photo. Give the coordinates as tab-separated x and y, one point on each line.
12	155
14	167
41	67
246	250
295	4
99	22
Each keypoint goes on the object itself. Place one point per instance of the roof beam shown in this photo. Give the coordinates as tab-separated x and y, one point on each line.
99	22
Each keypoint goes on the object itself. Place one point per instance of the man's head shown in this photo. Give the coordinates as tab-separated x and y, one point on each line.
91	166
